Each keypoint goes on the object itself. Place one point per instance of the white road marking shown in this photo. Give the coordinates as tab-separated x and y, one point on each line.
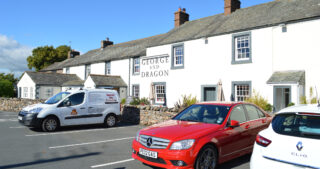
97	142
4	120
68	132
17	127
107	164
10	115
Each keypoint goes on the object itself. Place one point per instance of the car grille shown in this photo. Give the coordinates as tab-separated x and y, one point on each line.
22	113
157	143
154	160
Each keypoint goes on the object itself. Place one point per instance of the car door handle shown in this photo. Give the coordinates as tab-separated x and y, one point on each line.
247	127
82	108
264	121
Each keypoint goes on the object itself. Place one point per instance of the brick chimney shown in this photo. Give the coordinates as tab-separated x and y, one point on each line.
180	17
73	53
105	43
231	6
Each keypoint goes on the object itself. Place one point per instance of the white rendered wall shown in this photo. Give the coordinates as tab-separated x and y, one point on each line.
298	49
205	64
121	68
98	68
26	81
79	71
89	83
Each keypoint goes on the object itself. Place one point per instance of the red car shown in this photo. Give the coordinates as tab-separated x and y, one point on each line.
201	136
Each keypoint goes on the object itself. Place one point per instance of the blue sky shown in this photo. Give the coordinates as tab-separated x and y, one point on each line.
28	24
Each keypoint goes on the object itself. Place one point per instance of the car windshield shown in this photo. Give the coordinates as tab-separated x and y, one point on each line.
56	98
300	125
213	114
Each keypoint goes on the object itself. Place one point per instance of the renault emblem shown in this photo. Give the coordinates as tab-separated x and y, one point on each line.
149	141
299	146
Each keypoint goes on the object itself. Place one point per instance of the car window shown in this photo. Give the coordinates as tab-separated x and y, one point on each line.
75	99
213	114
261	114
297	125
238	114
252	112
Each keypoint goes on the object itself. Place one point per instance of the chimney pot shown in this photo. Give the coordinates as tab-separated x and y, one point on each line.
180	17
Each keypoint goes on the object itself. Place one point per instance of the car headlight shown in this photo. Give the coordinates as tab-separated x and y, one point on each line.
36	110
182	145
138	135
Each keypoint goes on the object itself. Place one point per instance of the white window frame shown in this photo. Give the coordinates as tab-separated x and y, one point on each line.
108	68
25	92
136	90
160	89
241	48
31	92
136	65
241	90
177	56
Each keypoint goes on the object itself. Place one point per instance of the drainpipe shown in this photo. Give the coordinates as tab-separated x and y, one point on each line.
129	84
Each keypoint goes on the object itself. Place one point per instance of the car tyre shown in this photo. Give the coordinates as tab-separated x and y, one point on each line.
110	121
50	124
207	158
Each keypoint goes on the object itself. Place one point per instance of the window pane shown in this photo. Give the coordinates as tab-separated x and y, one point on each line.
76	99
238	114
252	112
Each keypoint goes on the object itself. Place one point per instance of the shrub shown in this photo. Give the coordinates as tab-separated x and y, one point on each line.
260	101
6	88
123	101
144	101
135	101
303	100
291	104
185	102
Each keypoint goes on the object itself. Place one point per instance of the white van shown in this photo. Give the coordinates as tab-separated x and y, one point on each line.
76	107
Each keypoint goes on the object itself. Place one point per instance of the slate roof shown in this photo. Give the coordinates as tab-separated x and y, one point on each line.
289	77
74	83
264	15
55	79
107	80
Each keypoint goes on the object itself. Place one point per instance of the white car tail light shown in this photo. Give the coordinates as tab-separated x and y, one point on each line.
262	141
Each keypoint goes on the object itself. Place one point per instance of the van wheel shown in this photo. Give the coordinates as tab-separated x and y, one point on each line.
50	124
110	121
207	158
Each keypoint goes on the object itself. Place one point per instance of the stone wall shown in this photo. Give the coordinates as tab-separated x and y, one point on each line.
147	115
16	104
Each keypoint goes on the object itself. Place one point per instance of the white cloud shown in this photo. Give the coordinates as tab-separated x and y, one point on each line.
13	56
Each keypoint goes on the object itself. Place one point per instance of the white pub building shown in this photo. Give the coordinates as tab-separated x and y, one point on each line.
272	48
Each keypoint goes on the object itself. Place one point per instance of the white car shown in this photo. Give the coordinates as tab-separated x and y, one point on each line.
77	107
292	140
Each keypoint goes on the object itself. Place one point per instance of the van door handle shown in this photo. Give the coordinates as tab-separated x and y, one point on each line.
90	107
82	108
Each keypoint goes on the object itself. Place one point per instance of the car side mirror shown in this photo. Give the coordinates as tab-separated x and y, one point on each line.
234	123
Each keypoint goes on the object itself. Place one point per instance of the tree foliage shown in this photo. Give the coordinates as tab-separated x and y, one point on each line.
6	88
9	77
44	56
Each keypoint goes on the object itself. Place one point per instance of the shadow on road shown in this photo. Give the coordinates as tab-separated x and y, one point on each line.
48	160
235	162
86	127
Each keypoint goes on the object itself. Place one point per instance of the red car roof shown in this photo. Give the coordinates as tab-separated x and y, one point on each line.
220	103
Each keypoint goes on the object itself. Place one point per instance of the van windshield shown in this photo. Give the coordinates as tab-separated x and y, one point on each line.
56	98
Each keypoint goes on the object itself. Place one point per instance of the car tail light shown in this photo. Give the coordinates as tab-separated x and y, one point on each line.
262	141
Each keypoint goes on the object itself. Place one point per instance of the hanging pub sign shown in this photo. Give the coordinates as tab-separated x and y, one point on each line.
155	66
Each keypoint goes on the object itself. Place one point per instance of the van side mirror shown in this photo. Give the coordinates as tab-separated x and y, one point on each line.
234	123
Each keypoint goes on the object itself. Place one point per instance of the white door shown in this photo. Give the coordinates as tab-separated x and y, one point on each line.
73	110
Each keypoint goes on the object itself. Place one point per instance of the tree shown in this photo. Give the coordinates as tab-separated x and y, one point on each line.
9	76
44	56
6	88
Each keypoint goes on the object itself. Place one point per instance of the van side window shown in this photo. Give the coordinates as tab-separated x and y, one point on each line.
238	114
75	99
